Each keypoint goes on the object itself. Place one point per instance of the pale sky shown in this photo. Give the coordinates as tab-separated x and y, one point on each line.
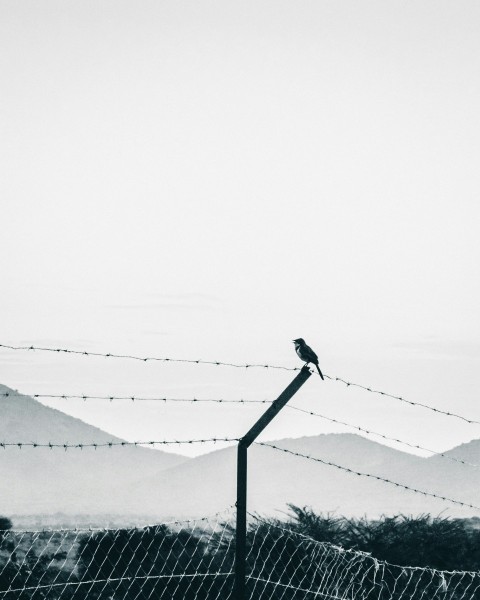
211	179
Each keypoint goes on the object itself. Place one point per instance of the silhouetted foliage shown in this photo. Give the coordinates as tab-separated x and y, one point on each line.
156	562
6	548
5	524
423	541
323	528
35	566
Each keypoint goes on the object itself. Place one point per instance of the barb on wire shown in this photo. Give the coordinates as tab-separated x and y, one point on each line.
370	475
383	436
66	446
410	402
148	358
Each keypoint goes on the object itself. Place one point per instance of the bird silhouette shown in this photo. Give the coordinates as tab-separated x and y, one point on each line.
306	354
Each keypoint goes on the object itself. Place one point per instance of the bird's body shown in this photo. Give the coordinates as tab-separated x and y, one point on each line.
306	354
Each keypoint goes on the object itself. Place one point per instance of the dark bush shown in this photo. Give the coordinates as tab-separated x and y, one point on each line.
423	541
156	562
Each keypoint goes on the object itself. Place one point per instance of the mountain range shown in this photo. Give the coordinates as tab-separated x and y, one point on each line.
132	480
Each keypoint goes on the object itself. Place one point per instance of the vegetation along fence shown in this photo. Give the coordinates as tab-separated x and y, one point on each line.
195	560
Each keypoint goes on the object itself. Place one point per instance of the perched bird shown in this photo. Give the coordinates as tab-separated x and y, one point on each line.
306	354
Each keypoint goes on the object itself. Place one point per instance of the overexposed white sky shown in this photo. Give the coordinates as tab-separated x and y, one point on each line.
210	179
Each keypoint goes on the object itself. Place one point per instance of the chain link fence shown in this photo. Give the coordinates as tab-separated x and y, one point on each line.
194	560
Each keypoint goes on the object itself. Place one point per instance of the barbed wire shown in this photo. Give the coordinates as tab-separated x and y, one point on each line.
370	475
242	401
149	358
383	436
135	398
240	366
401	399
111	444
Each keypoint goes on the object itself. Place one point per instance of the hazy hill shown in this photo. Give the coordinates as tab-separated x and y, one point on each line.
207	484
469	452
36	480
138	481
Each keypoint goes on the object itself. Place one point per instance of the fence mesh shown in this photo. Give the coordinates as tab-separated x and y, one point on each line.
175	560
285	565
195	560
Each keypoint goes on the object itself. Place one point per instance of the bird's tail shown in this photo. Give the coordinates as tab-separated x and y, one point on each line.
319	372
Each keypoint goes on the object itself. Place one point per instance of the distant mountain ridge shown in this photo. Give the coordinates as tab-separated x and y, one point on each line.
207	483
34	480
469	452
133	481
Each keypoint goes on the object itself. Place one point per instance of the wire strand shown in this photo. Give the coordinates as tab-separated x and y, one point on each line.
148	358
66	446
377	477
410	402
134	398
383	436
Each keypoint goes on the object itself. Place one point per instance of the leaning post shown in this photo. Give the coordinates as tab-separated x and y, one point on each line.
242	463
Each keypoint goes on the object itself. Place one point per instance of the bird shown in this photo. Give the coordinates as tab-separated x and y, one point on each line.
306	354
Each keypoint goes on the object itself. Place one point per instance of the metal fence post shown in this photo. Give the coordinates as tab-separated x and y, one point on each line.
242	462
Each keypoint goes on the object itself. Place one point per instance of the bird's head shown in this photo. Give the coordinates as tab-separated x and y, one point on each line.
299	341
